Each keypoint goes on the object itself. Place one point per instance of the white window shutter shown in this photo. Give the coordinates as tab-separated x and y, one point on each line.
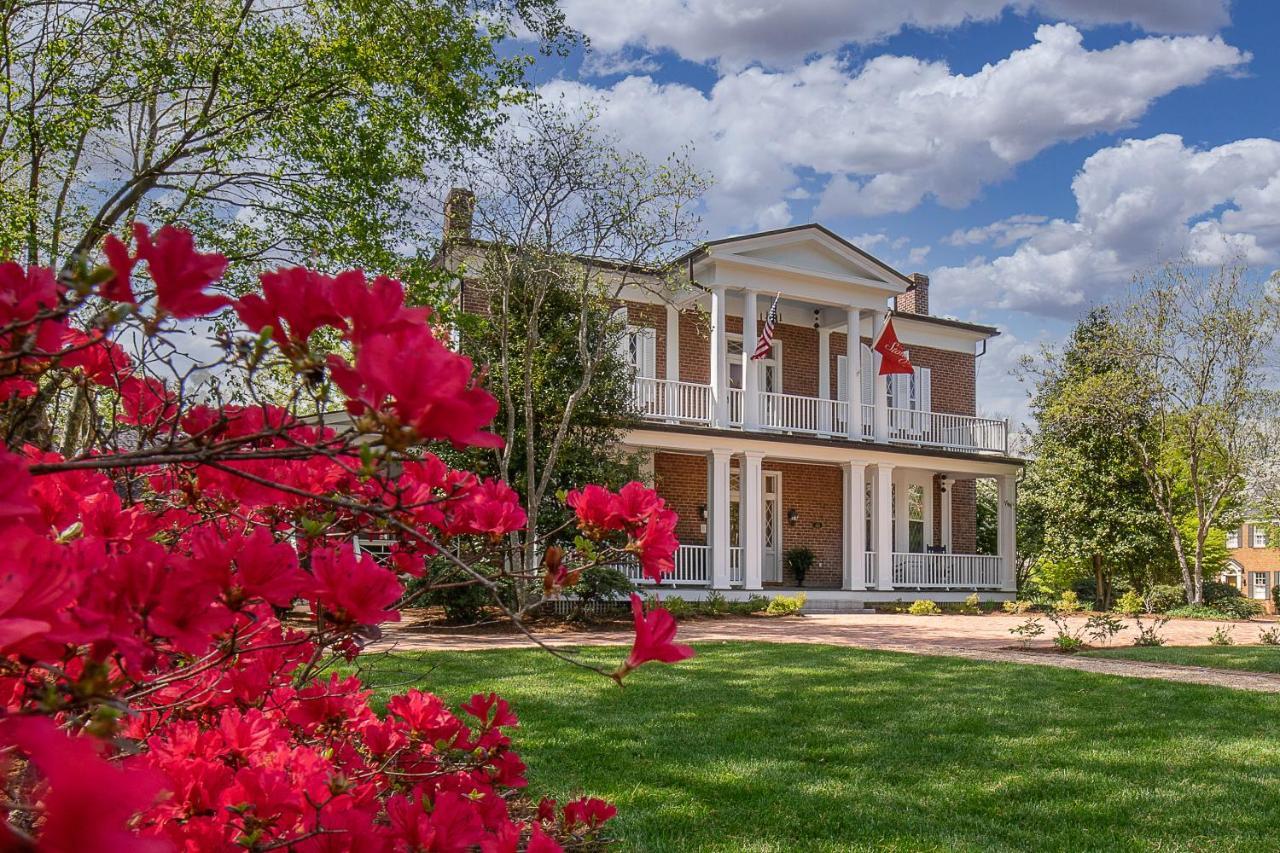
924	389
868	376
648	366
842	377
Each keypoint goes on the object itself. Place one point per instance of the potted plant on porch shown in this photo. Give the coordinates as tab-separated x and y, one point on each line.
800	560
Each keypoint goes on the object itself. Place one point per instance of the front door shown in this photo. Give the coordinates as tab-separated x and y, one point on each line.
771	559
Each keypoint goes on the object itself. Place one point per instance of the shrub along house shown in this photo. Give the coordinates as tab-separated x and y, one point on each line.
810	446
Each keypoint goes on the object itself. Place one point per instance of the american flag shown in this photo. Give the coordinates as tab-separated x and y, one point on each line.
765	345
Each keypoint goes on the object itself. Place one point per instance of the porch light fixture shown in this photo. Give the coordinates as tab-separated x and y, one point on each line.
702	511
792	516
942	483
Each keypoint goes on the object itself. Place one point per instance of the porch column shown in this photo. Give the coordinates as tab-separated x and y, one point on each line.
719	361
750	369
853	371
673	359
855	525
880	385
751	494
718	517
1007	529
884	525
824	379
946	514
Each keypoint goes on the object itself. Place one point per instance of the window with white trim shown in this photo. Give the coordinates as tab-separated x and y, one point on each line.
1259	536
1233	539
640	350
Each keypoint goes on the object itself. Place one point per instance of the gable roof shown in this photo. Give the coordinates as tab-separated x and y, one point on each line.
694	254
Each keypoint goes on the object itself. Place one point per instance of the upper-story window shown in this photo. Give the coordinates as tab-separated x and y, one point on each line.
1259	536
768	366
914	392
640	349
1233	539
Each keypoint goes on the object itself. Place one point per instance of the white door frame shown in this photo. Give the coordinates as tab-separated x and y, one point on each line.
771	570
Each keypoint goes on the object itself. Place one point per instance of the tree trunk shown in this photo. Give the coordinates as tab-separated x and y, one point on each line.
1099	584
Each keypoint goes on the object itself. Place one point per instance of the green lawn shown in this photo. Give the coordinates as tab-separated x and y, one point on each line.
752	746
1251	658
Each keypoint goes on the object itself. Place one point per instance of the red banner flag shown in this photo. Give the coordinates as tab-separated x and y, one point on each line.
893	358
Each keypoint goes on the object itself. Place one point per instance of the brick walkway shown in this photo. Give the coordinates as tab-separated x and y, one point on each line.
974	637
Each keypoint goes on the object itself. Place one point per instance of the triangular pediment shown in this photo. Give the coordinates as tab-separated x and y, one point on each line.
812	249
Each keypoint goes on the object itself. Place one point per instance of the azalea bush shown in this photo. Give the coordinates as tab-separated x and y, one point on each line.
181	584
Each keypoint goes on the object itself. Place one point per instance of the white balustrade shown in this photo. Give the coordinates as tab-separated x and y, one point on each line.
869	570
954	432
691	567
958	571
668	400
735	566
690	403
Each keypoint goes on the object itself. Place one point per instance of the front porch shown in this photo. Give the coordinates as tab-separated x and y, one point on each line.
876	529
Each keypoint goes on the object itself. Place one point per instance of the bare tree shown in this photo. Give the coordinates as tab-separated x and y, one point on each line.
567	223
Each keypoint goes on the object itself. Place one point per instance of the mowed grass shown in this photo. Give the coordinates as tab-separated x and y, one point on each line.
768	747
1250	658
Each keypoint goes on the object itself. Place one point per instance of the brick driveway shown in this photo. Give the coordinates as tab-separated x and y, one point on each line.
972	637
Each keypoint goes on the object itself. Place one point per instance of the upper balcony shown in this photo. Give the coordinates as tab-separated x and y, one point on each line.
671	401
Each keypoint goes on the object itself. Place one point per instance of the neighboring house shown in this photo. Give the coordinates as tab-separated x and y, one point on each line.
1254	563
809	447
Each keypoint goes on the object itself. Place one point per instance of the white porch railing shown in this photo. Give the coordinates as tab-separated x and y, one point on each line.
690	570
869	569
690	403
954	432
669	400
963	571
735	566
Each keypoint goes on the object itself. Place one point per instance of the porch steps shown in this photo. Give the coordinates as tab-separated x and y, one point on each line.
834	605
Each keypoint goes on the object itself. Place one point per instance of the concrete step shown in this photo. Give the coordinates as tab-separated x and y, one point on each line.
831	606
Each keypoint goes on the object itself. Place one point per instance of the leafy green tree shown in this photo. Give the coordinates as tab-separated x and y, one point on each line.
1088	488
273	131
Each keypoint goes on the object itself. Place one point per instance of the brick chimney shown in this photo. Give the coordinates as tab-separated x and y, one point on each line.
459	208
916	299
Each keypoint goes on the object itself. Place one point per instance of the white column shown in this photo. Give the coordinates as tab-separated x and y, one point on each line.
884	525
853	371
751	494
880	398
824	379
673	359
946	516
901	513
719	361
718	516
1007	528
855	524
750	368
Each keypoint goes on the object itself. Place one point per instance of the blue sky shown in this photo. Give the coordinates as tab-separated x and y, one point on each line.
1030	155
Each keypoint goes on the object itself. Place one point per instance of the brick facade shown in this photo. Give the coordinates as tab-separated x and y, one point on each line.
1251	560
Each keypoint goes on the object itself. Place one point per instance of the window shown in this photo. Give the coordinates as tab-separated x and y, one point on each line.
915	518
768	366
868	376
1233	539
1259	536
640	349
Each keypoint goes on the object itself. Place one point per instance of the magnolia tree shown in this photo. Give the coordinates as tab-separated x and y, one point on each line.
176	600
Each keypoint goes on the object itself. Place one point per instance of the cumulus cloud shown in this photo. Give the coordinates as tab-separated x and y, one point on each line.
884	136
1138	202
736	33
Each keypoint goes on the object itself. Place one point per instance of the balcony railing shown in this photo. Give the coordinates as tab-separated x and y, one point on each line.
691	403
960	571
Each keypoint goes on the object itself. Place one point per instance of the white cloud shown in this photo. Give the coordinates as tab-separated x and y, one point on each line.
737	33
897	129
1138	202
1002	233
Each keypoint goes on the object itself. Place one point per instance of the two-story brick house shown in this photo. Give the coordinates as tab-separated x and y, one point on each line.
1253	564
809	447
